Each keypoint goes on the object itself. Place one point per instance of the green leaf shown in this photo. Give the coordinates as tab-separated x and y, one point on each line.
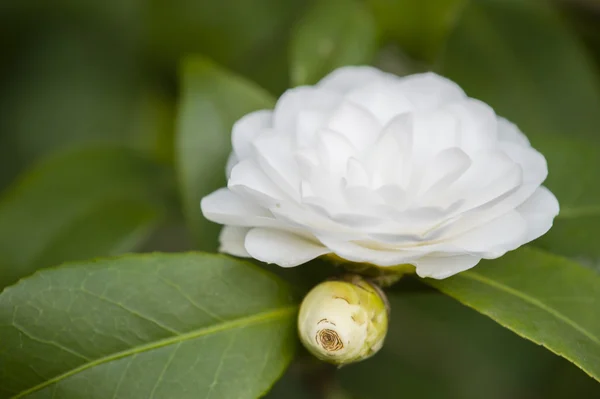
211	101
574	166
518	57
75	205
146	326
332	34
547	299
419	27
437	348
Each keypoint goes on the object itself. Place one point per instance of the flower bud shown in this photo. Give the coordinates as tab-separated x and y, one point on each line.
343	321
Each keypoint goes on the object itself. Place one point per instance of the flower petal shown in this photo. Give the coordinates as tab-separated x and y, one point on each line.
294	101
539	212
508	131
362	254
495	237
232	241
356	124
249	180
429	90
226	207
247	129
281	247
440	267
344	79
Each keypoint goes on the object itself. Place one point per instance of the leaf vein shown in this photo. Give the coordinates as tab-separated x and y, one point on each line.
533	301
242	322
133	312
23	331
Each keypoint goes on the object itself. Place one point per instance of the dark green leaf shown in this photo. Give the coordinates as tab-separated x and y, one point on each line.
332	34
419	27
212	100
146	326
542	297
76	205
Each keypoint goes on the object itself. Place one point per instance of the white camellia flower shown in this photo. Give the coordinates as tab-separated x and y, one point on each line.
384	170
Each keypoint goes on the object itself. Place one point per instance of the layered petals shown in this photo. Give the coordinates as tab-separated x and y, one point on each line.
379	169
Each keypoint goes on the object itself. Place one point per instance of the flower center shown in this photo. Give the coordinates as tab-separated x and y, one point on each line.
329	340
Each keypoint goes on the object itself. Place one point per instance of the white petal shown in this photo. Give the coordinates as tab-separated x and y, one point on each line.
508	131
247	129
433	132
226	207
231	162
232	241
347	78
390	162
440	267
282	248
383	98
334	151
275	157
535	168
250	181
443	170
356	124
356	175
539	212
293	102
385	160
361	254
478	125
308	124
497	236
429	90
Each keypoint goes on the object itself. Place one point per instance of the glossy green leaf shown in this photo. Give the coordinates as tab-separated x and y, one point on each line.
146	326
437	348
542	297
419	27
523	61
76	205
211	101
332	34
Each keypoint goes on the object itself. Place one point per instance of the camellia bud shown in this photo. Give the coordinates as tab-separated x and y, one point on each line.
343	321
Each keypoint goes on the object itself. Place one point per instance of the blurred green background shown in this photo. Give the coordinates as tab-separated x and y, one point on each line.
88	149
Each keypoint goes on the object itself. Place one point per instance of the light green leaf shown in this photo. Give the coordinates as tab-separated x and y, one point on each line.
518	57
146	326
332	34
419	27
76	205
542	297
212	99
